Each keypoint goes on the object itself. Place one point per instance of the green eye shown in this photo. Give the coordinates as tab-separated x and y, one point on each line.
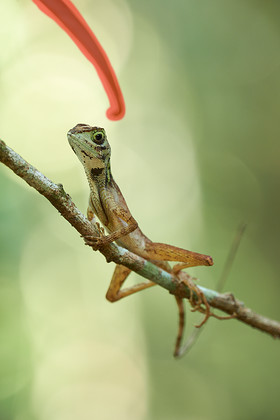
98	137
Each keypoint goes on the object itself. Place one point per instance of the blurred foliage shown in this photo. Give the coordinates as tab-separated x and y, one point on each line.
196	154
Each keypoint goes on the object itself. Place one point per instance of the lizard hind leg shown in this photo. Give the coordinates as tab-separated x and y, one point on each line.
115	292
164	252
181	327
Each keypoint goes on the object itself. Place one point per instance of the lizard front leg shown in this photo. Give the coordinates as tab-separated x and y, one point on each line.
97	242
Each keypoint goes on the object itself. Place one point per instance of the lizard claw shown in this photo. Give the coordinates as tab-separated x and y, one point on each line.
96	242
100	229
199	302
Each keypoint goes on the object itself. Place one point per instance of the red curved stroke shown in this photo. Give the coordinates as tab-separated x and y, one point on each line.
67	16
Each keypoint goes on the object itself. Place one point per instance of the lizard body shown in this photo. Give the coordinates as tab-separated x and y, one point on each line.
107	203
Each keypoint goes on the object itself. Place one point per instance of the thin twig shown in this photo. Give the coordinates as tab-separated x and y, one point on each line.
231	256
64	204
193	337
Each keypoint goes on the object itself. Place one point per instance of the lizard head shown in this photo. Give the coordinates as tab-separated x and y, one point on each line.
90	144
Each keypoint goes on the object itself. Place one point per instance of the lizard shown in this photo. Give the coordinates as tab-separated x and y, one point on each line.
107	203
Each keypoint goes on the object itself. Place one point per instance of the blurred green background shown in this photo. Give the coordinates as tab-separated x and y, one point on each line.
196	154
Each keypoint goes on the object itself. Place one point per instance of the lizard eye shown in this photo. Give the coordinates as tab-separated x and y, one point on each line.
98	137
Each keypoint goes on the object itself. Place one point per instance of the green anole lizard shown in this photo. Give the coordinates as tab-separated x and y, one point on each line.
106	201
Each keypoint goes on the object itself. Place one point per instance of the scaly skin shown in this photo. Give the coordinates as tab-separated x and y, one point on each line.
108	204
106	201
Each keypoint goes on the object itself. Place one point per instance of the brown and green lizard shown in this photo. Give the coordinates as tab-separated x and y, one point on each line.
107	203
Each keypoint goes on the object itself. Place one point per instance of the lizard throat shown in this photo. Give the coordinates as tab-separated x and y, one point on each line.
100	175
95	172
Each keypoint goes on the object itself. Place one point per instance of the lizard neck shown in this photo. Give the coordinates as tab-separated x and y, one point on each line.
99	177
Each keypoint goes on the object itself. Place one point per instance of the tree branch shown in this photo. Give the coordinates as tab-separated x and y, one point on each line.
64	204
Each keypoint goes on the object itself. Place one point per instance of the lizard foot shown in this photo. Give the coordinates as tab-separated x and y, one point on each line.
96	242
199	303
197	299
